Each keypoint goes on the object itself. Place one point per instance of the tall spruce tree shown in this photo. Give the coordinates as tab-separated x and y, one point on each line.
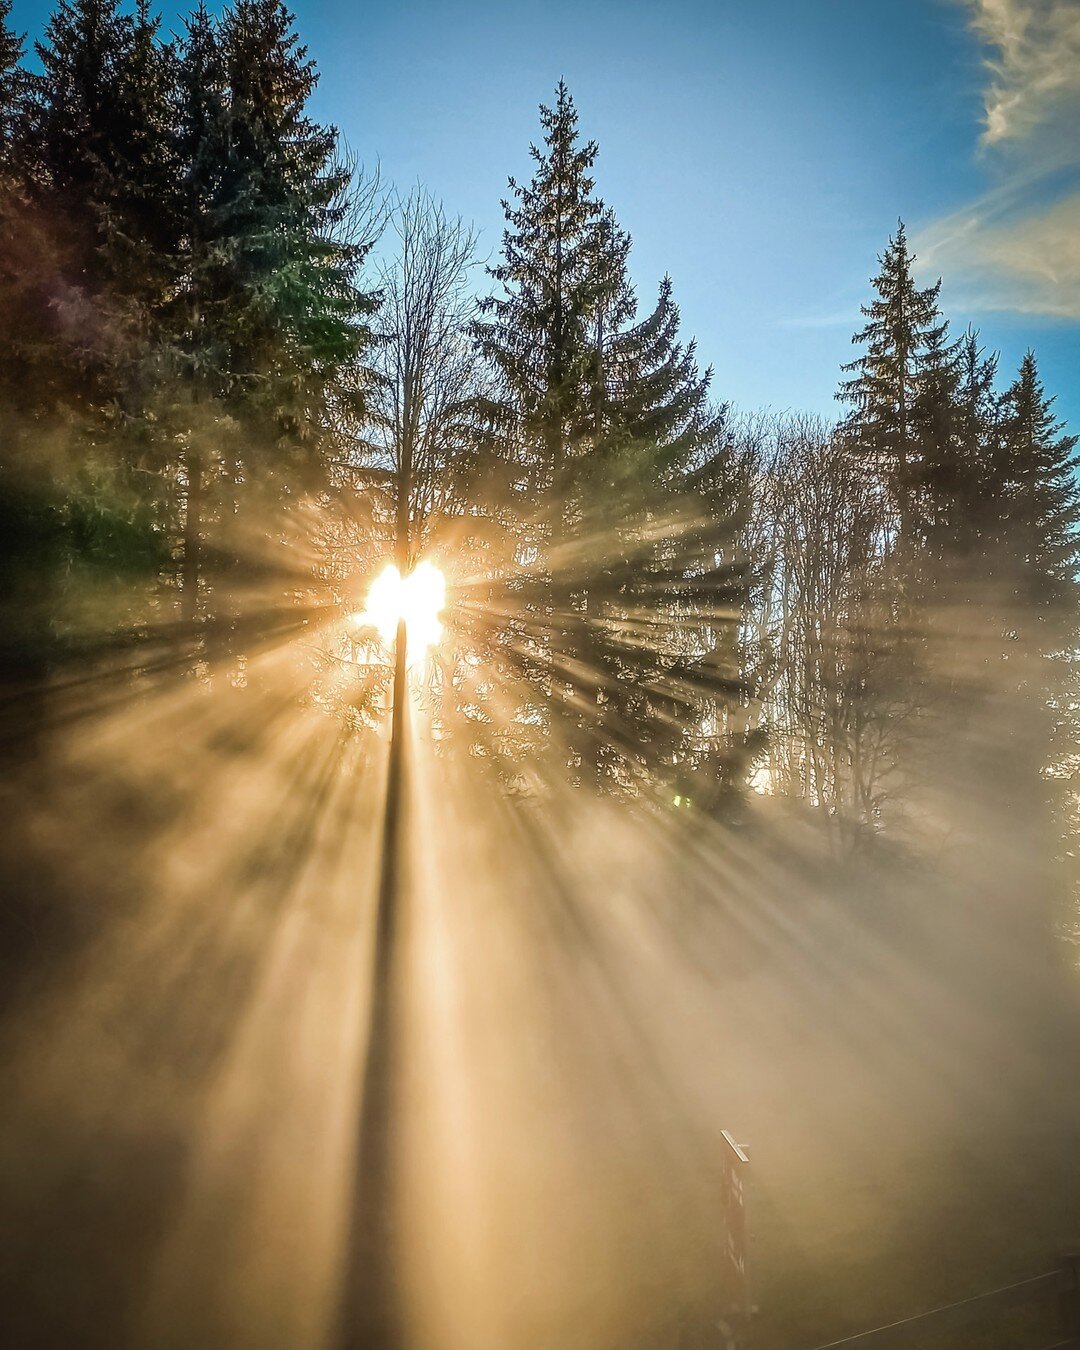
1040	465
30	522
270	310
903	334
900	392
73	129
143	223
199	347
976	419
1028	735
102	145
960	501
97	140
938	469
14	86
607	417
538	333
659	598
282	284
25	262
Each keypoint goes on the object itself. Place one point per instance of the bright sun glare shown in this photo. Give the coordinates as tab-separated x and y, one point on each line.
418	598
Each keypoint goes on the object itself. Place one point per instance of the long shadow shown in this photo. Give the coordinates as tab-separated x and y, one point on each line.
369	1315
82	1231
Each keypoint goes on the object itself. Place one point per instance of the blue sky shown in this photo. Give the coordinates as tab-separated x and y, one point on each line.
759	153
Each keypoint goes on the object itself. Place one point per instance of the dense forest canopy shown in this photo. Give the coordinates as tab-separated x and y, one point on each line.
210	389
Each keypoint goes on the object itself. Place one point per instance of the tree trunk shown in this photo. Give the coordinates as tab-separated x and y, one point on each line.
189	575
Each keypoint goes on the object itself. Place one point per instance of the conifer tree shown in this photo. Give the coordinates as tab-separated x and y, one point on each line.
901	393
607	416
199	348
1039	465
99	143
143	223
96	140
72	120
904	331
977	413
282	286
77	95
937	464
269	312
537	333
960	495
1029	734
30	523
657	486
14	85
964	507
537	336
24	252
101	139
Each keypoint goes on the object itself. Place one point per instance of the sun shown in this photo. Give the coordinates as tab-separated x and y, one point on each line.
419	598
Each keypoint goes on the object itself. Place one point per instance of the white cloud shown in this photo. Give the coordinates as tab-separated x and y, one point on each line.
1029	263
1034	63
1018	247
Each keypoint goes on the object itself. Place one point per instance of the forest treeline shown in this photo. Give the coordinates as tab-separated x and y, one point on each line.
222	342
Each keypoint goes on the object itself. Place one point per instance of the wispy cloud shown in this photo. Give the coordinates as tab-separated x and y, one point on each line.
1030	264
1034	64
1018	247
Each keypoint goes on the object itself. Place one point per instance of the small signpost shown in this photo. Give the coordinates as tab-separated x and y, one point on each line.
733	1182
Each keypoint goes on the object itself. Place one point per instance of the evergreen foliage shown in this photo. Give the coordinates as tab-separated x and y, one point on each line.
610	423
14	84
1039	469
186	367
904	338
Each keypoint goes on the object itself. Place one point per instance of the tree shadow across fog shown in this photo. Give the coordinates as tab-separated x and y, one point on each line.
245	1111
160	865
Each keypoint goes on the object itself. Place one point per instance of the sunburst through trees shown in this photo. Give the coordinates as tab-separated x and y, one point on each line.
451	753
